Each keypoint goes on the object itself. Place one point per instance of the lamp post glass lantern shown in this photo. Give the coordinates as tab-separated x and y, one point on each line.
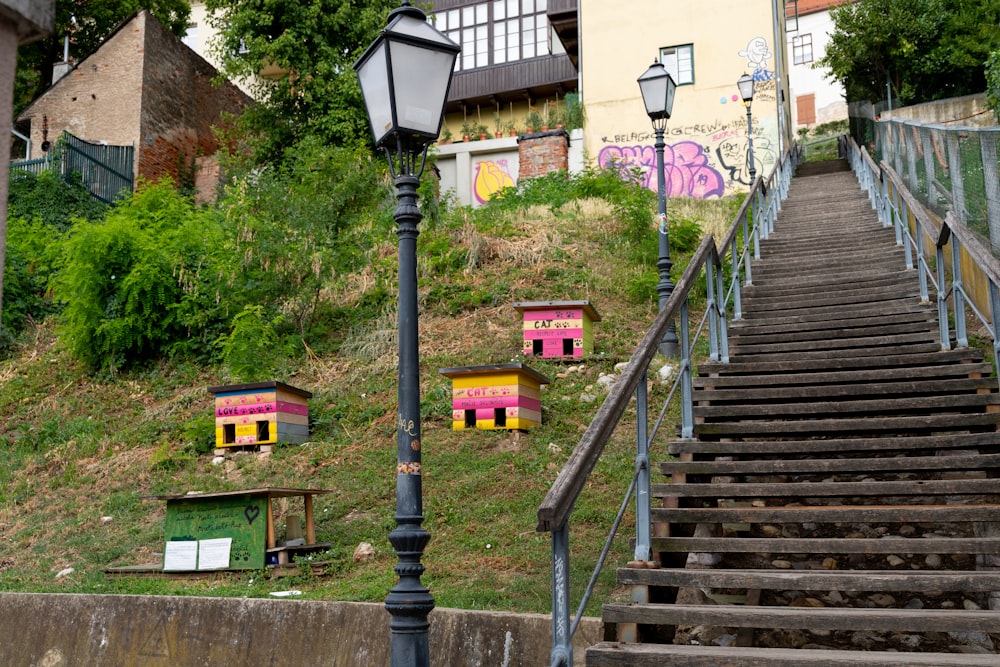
745	84
405	75
657	88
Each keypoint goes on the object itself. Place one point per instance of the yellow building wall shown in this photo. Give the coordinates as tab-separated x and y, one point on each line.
706	136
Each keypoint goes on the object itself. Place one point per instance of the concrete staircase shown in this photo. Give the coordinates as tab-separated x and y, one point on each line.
840	500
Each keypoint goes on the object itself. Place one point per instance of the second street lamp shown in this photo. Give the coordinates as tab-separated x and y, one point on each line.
745	84
405	75
657	87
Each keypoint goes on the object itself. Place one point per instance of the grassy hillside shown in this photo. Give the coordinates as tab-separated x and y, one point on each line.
81	451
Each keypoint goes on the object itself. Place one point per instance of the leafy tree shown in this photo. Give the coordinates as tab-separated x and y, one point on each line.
141	283
311	45
925	49
290	222
993	83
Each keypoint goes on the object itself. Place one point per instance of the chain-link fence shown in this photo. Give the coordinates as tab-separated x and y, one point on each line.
947	169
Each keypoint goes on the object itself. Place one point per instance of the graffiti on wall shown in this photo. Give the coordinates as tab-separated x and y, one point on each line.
686	167
757	53
734	157
491	177
705	159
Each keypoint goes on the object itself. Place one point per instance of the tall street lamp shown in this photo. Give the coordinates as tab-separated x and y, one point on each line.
745	84
405	75
657	87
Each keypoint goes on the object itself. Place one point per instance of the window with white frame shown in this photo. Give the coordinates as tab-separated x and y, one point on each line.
679	62
496	32
802	49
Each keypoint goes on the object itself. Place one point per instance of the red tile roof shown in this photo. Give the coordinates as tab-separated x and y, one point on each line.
813	6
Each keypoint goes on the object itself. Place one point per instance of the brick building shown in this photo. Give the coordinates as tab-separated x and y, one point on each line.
141	87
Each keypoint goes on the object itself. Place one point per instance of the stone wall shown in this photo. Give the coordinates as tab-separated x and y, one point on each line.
160	631
99	99
142	87
180	105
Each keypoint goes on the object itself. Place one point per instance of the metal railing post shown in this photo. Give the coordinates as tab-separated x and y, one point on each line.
737	291
958	292
562	646
918	235
884	209
995	321
643	541
687	409
710	307
723	325
942	300
897	206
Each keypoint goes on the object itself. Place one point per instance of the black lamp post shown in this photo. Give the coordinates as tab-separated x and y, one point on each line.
657	87
745	84
405	75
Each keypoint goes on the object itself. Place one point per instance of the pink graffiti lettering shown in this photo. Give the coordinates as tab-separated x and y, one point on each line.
688	172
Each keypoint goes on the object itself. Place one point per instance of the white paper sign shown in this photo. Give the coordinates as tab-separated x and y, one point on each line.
214	554
180	555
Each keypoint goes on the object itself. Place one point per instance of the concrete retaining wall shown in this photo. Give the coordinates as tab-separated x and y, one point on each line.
48	630
967	111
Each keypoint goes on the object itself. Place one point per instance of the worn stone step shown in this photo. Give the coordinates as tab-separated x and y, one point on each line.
826	322
813	580
851	391
617	654
842	445
884	359
882	514
848	328
870	339
786	466
806	618
876	489
938	404
827	545
871	277
836	317
763	304
857	378
811	234
881	348
765	278
909	424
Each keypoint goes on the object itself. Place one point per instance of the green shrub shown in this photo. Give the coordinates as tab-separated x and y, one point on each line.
251	350
993	83
124	280
50	199
32	248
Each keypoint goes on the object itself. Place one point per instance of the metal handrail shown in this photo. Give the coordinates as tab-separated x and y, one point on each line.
761	205
913	223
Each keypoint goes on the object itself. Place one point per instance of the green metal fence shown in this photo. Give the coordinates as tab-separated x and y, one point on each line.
105	170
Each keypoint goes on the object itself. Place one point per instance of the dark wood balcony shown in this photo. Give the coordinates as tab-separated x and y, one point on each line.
531	79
